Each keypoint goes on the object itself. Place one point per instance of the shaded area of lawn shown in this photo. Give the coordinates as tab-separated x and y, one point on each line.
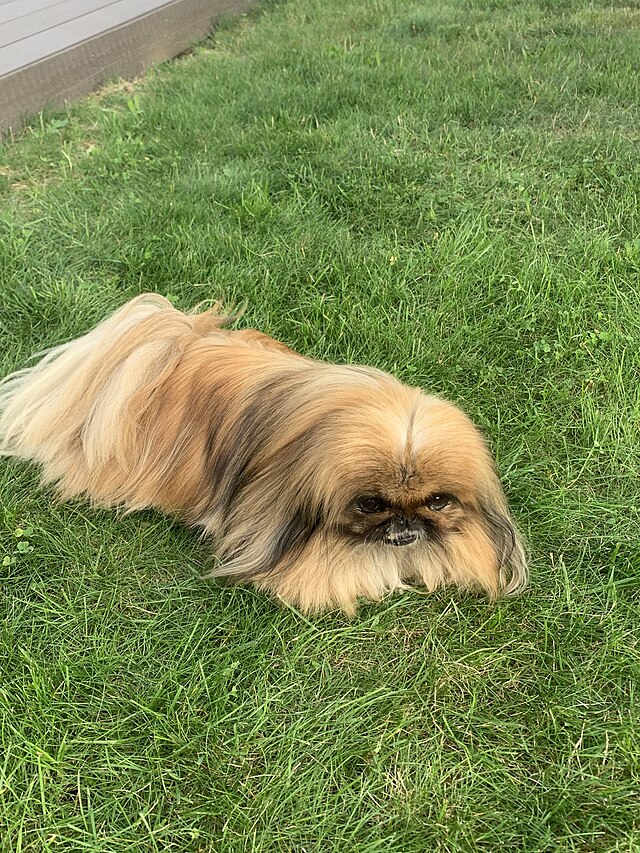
445	191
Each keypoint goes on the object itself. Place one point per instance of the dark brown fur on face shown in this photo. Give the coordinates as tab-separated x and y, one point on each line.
320	483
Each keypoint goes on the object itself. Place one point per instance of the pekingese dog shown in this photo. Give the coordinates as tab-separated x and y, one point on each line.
322	484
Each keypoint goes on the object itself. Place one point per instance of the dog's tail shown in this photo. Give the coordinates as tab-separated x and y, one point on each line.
69	410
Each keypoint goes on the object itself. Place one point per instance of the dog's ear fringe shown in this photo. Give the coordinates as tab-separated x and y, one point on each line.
295	535
509	548
289	541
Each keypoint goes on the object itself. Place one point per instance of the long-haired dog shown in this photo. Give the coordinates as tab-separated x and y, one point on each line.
320	483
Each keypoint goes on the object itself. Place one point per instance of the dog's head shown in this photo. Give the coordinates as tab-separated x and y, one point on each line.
352	460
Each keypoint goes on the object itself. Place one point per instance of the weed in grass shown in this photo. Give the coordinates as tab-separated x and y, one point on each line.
22	547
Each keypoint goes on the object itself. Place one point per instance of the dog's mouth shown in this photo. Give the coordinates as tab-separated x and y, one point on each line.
395	531
399	533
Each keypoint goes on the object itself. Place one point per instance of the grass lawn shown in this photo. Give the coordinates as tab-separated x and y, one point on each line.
446	190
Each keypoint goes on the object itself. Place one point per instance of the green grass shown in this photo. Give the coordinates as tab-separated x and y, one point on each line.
448	191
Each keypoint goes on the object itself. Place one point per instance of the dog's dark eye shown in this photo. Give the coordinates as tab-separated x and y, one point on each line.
371	504
437	502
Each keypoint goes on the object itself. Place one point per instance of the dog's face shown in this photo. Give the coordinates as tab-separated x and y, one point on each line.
421	480
413	475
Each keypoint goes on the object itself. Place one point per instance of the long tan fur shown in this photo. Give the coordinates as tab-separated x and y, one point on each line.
269	453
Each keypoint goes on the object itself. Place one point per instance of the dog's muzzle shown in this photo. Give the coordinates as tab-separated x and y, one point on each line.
400	532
